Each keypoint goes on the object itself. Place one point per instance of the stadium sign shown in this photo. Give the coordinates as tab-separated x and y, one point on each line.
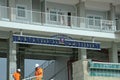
60	41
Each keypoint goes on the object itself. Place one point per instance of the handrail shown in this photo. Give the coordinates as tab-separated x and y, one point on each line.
41	67
50	77
29	78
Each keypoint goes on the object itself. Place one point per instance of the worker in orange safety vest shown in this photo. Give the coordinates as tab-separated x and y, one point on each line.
17	75
38	72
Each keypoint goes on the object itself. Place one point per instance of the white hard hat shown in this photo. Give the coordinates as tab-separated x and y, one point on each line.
18	70
36	65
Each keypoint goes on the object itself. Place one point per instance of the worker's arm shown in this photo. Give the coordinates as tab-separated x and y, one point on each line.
13	76
40	72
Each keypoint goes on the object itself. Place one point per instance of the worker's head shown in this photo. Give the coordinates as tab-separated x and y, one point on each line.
36	65
18	70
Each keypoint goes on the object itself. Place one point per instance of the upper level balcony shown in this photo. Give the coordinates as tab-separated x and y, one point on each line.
54	19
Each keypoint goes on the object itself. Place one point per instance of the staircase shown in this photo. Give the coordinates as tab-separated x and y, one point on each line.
43	66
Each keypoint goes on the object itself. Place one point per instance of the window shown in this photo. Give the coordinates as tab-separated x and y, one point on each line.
21	11
53	15
94	20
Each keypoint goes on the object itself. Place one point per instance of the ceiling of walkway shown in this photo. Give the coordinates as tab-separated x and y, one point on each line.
73	2
37	50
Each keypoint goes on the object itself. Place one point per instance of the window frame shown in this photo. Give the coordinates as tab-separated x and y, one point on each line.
25	7
52	14
58	12
94	18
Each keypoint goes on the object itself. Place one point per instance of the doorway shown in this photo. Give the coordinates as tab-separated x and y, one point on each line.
69	19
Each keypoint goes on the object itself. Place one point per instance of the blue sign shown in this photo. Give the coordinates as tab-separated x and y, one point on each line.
62	42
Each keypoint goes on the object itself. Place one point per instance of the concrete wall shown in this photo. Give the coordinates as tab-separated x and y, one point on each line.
3	2
84	75
103	14
30	16
57	69
23	3
99	6
26	3
77	71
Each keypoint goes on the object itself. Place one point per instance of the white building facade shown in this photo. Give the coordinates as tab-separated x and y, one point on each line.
81	20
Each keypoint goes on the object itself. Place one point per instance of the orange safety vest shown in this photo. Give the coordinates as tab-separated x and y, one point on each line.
39	73
16	76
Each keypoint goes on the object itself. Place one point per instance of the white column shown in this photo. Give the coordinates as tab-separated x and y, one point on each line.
112	12
112	16
113	53
82	10
12	5
82	54
11	61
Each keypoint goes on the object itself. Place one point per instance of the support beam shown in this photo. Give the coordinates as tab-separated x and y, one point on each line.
11	58
113	53
81	10
12	4
112	12
82	54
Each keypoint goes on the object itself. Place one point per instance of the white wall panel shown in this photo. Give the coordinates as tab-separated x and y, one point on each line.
3	2
62	7
26	3
100	6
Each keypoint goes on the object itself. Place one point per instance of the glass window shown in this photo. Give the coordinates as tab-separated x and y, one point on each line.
91	22
21	11
97	21
53	15
94	20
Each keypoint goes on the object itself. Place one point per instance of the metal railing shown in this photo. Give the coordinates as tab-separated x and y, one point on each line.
43	66
56	20
32	78
51	78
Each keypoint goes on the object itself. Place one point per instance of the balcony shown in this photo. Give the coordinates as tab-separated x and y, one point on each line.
52	19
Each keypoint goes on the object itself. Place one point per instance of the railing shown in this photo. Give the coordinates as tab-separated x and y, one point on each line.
43	66
32	78
51	78
55	20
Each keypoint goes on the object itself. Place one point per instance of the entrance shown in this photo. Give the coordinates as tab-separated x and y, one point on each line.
53	60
